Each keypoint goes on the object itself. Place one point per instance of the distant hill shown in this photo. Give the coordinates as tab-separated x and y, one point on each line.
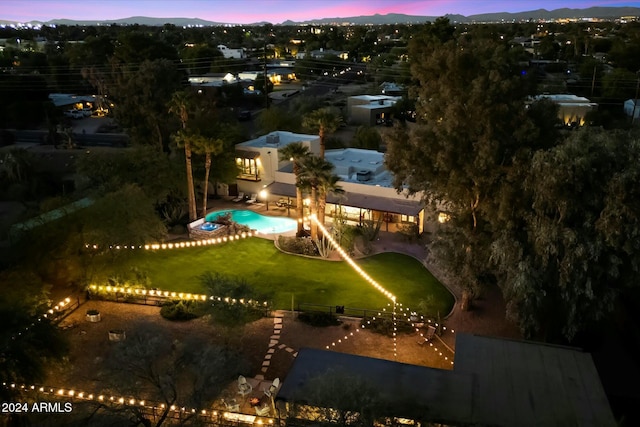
391	18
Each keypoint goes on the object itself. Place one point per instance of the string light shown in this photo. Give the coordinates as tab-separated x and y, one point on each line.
51	314
62	393
351	262
158	293
178	245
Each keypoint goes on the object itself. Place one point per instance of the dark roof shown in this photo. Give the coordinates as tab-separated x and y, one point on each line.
247	154
364	201
520	383
444	395
495	382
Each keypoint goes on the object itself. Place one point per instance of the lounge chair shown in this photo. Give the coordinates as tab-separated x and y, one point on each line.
244	388
428	336
271	391
239	198
253	198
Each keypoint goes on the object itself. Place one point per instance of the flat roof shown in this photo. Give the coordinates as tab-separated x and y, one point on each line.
356	200
283	138
495	382
373	98
410	389
521	383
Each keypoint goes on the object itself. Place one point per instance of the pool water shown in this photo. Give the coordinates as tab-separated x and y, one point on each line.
263	224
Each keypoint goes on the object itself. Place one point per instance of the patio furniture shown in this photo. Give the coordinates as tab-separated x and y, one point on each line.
231	405
263	411
253	198
271	391
244	388
239	198
282	203
431	332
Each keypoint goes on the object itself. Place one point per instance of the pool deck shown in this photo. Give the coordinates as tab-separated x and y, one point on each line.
270	209
225	203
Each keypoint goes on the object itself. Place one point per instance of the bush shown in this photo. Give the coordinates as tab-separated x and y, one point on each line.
320	319
298	245
180	310
384	326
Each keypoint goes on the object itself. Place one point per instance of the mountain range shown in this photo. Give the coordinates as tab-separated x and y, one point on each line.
391	18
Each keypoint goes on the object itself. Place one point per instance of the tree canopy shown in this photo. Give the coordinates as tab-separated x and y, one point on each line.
552	221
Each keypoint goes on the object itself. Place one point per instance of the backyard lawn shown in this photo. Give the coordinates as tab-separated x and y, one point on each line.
282	276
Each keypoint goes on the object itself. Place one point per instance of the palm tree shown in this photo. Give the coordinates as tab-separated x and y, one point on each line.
315	171
323	121
209	147
180	104
326	187
296	152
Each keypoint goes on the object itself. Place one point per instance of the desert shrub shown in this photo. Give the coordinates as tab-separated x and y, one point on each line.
385	326
235	301
181	310
317	318
298	245
409	231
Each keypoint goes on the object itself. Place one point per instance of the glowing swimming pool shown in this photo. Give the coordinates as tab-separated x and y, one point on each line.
263	224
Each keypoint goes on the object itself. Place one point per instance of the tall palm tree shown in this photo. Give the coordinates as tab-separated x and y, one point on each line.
296	152
323	121
209	147
315	171
181	104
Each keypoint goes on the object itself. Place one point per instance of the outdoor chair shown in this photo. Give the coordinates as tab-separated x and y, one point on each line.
282	203
263	411
253	199
428	336
271	391
244	388
239	198
231	405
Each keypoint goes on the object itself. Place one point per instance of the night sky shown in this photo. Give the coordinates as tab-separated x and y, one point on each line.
274	11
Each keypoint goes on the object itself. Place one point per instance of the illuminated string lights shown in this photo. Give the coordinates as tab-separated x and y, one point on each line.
59	392
351	262
157	293
51	314
346	337
178	245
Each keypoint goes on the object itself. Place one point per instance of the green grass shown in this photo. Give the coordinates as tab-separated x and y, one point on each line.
280	276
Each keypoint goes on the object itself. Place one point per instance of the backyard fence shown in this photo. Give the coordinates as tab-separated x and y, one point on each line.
159	298
341	310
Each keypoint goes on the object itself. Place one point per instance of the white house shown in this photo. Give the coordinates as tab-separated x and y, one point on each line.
368	185
370	109
572	109
231	53
258	159
632	108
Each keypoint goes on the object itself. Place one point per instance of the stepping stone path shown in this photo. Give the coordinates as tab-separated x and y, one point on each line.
278	322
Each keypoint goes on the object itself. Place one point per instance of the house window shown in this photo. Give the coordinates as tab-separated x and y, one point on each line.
248	169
